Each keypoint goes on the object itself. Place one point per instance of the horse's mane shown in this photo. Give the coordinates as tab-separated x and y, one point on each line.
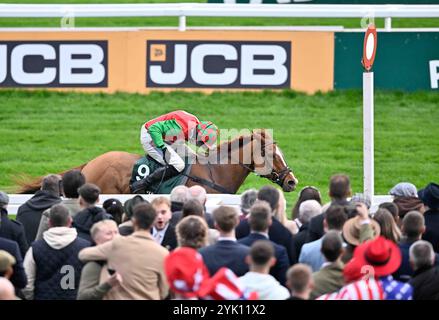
261	134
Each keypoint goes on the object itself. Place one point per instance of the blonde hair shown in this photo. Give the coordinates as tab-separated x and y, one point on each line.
161	200
98	227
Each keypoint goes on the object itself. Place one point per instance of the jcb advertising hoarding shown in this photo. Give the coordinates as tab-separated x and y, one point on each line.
140	61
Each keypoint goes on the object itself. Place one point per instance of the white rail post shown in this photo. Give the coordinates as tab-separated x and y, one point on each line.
368	134
388	23
182	23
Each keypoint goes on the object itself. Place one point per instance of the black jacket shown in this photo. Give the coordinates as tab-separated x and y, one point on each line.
300	239
49	265
226	253
279	270
432	228
29	214
315	228
425	284
170	239
19	278
85	219
278	233
13	230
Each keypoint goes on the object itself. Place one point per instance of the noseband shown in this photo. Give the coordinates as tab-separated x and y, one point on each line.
273	176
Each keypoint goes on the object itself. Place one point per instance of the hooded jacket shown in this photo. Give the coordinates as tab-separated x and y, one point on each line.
267	287
13	230
85	219
29	214
62	245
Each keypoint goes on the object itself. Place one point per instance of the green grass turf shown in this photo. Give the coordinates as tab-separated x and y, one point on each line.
198	21
44	132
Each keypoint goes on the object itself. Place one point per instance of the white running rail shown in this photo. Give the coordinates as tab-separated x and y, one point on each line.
183	10
213	200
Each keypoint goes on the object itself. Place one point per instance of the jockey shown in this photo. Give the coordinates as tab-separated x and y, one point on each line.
157	135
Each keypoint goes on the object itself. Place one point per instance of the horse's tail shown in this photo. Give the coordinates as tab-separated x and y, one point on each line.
35	185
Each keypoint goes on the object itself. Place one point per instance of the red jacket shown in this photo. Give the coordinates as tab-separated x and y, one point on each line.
183	119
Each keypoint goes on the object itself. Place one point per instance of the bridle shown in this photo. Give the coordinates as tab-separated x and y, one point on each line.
273	176
276	177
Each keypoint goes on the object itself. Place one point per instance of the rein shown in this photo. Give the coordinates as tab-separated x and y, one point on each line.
208	183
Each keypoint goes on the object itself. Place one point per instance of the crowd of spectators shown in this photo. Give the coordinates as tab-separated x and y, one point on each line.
65	244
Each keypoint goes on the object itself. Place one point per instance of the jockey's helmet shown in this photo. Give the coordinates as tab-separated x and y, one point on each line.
207	134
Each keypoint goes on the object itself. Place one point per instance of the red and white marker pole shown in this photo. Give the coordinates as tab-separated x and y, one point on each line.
369	50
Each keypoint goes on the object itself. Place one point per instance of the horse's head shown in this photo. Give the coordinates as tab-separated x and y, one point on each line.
272	164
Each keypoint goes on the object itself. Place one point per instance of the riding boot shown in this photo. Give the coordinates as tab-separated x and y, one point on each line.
161	174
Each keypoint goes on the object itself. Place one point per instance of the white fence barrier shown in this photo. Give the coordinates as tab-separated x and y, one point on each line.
213	200
183	10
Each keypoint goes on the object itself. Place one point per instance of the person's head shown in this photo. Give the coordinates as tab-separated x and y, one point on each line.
299	280
7	290
260	217
309	209
269	194
430	195
198	193
7	262
248	198
130	204
192	232
192	207
144	216
103	231
379	257
307	193
388	227
115	208
413	225
4	199
335	218
339	187
162	206
59	216
179	194
421	255
352	234
185	272
71	182
404	189
261	256
52	183
361	198
332	246
207	134
226	219
88	194
392	208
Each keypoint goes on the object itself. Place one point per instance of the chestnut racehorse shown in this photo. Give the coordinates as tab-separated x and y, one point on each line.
251	153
